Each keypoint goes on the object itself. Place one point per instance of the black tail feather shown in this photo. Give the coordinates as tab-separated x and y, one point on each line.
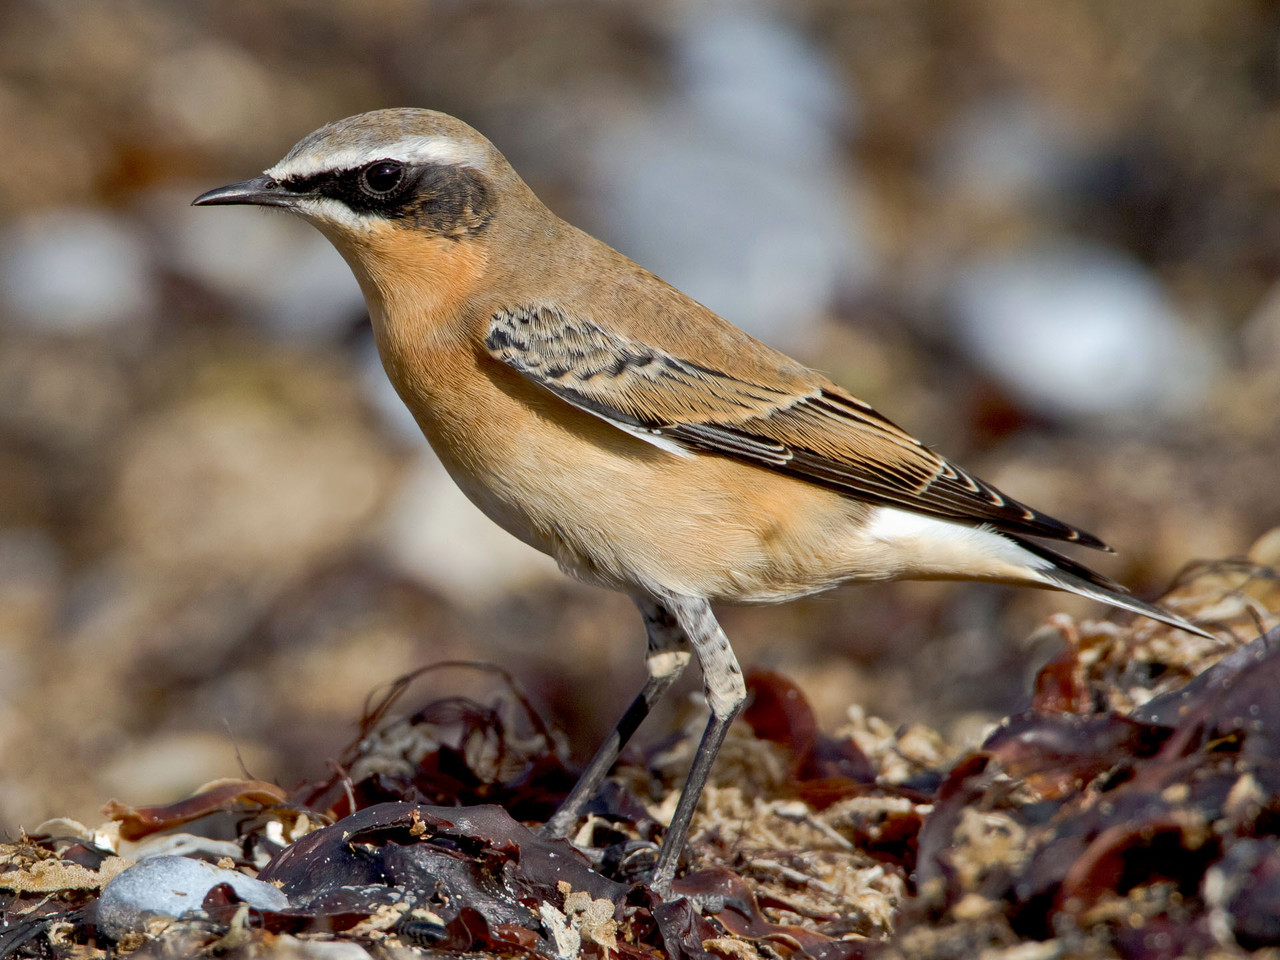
1067	574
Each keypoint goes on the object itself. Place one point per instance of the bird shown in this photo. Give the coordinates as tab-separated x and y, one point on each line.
613	422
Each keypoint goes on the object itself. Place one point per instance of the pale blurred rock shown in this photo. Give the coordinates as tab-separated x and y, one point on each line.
75	270
238	483
434	532
209	91
173	887
232	250
734	188
292	281
314	296
285	947
164	768
1080	331
1006	151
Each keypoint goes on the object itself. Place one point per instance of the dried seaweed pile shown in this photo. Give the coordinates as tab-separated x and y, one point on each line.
1132	809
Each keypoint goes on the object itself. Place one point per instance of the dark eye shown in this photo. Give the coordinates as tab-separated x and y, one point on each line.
382	177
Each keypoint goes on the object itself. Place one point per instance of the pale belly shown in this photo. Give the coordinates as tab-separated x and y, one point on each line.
627	515
619	512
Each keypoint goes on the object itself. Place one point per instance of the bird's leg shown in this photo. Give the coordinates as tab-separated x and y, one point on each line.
667	657
726	692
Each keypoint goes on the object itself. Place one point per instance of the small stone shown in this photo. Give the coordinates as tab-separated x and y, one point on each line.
75	270
1081	331
173	887
434	533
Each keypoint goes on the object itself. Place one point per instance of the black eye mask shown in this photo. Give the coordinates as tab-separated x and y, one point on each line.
444	199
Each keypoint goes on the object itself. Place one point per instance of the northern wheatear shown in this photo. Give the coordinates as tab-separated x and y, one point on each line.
614	423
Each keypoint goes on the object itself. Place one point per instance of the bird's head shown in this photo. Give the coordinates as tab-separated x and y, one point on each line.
406	195
402	169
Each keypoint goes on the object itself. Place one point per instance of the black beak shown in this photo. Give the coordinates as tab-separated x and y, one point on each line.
260	191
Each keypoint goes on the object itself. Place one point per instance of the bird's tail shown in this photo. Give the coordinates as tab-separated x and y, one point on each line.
1066	574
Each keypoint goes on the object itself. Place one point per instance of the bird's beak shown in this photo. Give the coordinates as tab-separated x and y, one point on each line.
260	191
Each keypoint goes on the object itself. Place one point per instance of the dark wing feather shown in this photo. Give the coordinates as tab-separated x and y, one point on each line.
810	430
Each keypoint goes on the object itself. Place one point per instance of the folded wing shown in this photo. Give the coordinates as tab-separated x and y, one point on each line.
806	427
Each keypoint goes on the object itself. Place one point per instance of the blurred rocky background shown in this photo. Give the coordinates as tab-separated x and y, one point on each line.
1043	237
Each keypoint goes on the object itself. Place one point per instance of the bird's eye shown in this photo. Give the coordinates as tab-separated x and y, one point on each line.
382	177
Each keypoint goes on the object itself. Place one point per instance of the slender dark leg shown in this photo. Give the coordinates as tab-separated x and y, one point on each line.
726	693
668	656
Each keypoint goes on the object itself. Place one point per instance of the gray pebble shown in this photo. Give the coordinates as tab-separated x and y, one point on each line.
173	887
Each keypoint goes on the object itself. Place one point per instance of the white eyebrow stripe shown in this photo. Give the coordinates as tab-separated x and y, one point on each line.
410	150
